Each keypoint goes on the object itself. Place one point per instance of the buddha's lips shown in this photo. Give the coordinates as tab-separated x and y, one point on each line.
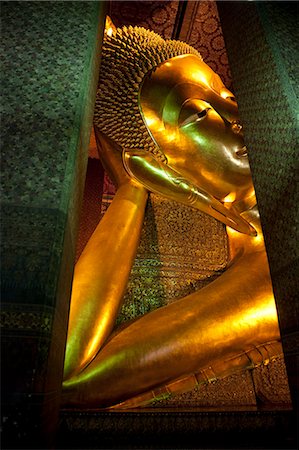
242	151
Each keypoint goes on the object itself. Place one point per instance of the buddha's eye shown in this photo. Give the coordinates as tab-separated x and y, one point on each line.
202	113
197	117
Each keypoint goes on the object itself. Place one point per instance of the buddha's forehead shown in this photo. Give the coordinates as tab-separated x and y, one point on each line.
172	83
179	71
191	69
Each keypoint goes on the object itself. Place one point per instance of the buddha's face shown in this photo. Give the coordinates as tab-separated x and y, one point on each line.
194	119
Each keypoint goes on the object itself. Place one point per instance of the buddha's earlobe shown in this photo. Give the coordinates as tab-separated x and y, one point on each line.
161	179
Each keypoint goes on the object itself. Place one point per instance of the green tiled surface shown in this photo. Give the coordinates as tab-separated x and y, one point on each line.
262	45
31	249
281	24
51	54
47	110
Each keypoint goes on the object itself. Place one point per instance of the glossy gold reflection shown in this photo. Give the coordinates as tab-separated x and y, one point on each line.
193	121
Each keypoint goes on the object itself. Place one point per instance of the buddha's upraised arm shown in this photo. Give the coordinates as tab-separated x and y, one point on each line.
102	271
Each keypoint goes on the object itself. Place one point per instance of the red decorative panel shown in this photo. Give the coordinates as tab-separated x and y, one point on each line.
158	16
202	29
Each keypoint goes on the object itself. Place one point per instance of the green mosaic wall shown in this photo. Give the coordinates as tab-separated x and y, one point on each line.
49	75
262	45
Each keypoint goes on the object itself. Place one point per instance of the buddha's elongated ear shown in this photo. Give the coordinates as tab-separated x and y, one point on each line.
159	178
110	28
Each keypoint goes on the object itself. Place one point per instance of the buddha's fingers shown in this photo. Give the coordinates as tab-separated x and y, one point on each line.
101	276
230	315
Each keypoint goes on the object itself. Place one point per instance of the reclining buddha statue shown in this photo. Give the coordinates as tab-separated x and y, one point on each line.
166	125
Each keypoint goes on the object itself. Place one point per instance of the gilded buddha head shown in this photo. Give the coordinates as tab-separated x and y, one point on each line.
160	96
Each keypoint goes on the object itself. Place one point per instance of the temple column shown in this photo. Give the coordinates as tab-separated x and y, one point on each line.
49	78
261	42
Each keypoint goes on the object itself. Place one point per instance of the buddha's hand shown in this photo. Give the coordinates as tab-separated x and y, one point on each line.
102	271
